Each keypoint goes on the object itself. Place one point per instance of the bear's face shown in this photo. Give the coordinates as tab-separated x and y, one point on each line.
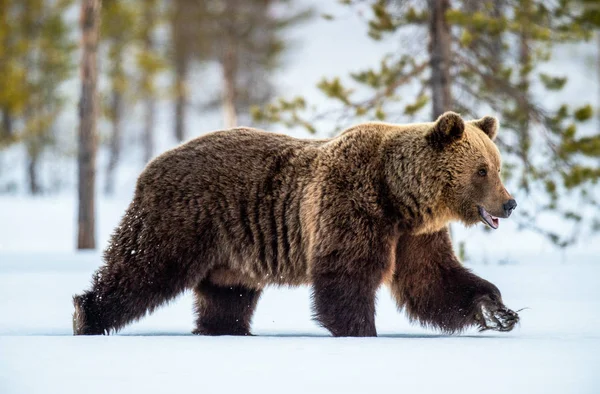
475	191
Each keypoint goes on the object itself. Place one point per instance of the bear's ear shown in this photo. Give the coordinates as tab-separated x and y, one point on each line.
487	124
449	127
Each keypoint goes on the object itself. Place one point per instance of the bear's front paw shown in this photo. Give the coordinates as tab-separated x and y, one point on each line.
493	315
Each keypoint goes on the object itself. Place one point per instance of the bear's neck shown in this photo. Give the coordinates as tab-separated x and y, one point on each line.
414	186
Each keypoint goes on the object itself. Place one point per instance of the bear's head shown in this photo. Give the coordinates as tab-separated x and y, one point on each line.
474	191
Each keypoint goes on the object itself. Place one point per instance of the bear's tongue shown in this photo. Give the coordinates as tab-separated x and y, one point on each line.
490	220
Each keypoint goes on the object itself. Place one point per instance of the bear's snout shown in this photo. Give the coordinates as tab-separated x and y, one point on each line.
509	206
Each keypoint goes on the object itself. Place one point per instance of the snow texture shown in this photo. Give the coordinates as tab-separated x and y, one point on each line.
555	349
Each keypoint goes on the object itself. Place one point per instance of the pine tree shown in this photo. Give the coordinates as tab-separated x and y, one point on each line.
35	60
487	55
128	34
150	62
188	44
250	52
116	34
13	75
244	38
588	15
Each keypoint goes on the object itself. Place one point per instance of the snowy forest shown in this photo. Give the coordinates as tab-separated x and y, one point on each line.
91	91
168	71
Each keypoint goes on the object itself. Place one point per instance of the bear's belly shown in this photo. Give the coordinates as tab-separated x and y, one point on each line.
228	276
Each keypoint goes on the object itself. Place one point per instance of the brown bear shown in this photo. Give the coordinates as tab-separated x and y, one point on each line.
231	212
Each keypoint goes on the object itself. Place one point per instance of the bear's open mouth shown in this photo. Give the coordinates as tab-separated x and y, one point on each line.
488	219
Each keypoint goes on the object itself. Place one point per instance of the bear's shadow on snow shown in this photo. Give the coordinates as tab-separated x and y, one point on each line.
315	335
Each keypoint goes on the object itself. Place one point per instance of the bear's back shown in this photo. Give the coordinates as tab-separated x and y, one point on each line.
240	192
229	158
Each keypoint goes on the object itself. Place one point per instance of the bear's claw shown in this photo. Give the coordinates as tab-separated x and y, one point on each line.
492	316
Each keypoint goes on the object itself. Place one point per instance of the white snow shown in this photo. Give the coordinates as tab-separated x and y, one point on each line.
555	349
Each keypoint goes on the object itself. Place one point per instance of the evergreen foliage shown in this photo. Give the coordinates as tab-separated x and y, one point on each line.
498	52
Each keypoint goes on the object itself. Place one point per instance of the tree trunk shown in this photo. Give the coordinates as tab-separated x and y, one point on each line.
89	23
6	128
7	125
598	70
439	61
31	114
150	102
32	174
33	145
115	140
181	99
439	57
229	66
523	99
180	31
149	120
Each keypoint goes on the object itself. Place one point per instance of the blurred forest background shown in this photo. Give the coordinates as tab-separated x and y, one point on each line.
82	84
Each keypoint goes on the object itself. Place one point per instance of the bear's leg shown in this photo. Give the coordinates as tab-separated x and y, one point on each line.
122	293
224	310
345	305
435	289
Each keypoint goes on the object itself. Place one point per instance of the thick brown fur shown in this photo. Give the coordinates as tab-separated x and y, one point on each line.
233	211
435	289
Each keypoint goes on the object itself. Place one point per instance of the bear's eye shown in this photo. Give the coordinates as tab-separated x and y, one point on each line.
482	172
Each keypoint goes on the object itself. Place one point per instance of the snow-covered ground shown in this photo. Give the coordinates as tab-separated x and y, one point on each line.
556	348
